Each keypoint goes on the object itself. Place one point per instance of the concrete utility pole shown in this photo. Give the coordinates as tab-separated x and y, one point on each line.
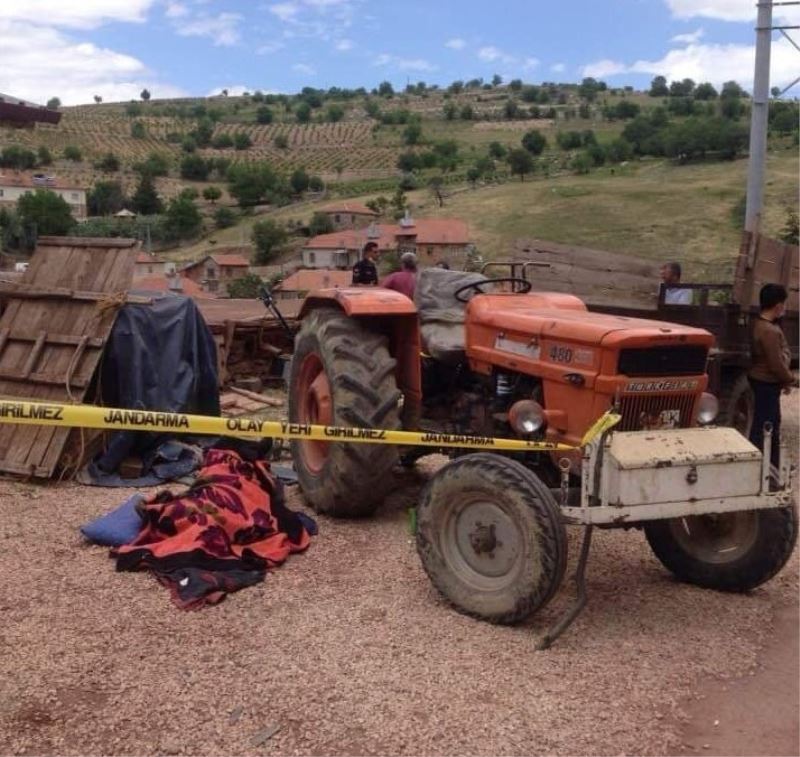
758	119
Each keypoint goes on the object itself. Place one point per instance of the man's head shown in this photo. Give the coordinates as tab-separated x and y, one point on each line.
371	250
772	299
408	261
671	273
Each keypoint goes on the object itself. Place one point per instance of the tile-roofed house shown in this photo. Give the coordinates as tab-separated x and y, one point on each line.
147	265
432	239
214	272
349	215
15	184
175	283
304	281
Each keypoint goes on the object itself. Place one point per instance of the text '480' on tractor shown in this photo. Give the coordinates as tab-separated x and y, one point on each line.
468	359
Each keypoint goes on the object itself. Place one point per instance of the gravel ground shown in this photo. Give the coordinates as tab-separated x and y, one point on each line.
347	649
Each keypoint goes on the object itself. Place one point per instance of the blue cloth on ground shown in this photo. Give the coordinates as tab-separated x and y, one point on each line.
120	526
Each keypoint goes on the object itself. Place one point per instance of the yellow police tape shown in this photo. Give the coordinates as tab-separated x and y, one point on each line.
89	416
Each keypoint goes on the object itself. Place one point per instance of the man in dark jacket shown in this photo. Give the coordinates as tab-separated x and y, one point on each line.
365	272
769	372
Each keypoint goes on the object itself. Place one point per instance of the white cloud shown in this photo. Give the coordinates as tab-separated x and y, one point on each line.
304	68
222	29
689	38
712	63
490	54
234	90
270	47
86	14
176	10
403	64
726	10
84	70
456	43
285	11
558	68
343	45
530	63
605	67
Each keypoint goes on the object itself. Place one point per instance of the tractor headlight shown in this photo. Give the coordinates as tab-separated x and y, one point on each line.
707	409
526	417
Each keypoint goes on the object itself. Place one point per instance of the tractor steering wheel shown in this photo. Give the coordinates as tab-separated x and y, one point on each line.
524	284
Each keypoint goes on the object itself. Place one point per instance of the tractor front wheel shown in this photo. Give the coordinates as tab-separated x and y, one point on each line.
490	538
342	375
728	552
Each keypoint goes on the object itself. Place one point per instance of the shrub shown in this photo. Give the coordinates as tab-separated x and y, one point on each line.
534	142
264	115
299	181
222	142
281	142
73	153
17	157
212	193
44	156
138	131
194	168
245	288
267	238
242	141
156	164
224	217
320	224
109	163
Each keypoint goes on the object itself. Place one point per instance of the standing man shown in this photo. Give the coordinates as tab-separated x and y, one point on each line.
671	275
769	373
404	280
364	272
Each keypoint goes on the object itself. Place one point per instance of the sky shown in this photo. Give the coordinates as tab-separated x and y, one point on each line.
75	49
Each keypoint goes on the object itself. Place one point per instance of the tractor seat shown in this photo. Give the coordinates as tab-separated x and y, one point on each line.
441	315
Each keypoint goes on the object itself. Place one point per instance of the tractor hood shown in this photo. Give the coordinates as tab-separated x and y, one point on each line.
561	317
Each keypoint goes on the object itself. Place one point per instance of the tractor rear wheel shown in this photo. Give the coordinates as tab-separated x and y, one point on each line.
342	375
727	552
490	537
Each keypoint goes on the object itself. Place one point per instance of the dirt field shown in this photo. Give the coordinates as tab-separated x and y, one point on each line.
348	650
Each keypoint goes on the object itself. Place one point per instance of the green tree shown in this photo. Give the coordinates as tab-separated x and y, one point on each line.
582	163
212	194
43	156
73	153
497	150
17	157
467	113
299	181
589	87
224	217
156	164
683	88
569	140
534	142
145	200
46	212
145	94
281	142
242	141
53	103
105	198
303	113
267	238
732	89
222	141
320	224
264	115
658	87
188	144
138	131
497	80
408	161
109	163
334	113
245	288
255	182
520	162
412	133
203	132
473	174
732	108
511	109
133	110
183	219
619	150
194	168
450	109
385	89
705	91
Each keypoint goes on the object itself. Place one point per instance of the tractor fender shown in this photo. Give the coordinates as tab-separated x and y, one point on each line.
359	301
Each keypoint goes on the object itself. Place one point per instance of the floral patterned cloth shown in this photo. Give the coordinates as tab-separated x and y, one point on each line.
220	535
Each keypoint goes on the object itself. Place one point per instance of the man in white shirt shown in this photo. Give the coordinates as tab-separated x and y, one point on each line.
671	275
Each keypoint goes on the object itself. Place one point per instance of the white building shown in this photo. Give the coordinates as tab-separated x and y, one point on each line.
15	184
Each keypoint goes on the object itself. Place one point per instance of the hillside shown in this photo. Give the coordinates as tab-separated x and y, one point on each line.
648	206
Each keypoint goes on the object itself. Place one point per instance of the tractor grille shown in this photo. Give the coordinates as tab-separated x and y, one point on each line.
663	361
642	412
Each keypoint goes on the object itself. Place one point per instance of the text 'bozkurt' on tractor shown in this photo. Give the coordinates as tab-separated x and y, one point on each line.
467	358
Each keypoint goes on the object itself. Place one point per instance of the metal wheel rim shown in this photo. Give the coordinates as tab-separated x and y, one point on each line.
716	539
314	406
471	526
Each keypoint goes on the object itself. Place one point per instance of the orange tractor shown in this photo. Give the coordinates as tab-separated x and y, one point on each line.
468	358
